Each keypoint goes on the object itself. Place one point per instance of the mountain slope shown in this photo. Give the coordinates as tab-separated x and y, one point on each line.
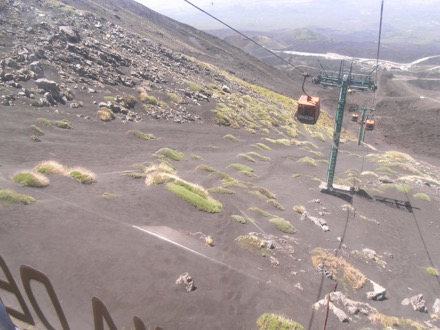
160	161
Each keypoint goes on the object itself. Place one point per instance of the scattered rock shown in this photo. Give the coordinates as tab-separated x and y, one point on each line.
355	308
378	293
436	307
186	279
417	303
317	221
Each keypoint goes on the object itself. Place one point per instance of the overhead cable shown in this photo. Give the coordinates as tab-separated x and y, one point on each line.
246	37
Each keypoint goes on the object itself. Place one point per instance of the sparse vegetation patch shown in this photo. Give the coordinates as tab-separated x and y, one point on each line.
270	321
432	271
253	244
170	153
9	196
63	123
242	219
37	131
195	196
44	122
283	225
231	137
82	175
141	135
50	166
31	179
322	258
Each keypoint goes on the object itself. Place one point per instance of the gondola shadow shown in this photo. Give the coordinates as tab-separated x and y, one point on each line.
395	203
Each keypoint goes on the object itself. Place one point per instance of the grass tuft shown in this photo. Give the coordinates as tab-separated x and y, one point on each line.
31	179
231	137
170	153
37	131
275	321
44	122
432	271
221	190
105	114
422	196
9	196
253	244
241	167
261	146
307	160
141	135
393	321
246	157
299	209
260	211
325	259
50	166
82	175
195	196
283	225
242	219
63	123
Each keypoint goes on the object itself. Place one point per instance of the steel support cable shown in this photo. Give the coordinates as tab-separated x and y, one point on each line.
245	36
378	50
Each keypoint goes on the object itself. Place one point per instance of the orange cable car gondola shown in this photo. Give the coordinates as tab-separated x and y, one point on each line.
308	109
369	124
354	117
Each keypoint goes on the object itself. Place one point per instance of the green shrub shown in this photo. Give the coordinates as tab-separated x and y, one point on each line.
307	160
63	123
174	97
274	322
231	137
105	114
261	146
221	190
35	138
82	175
44	122
260	211
431	271
194	86
283	225
253	244
257	155
50	166
170	153
422	196
9	196
37	131
150	100
299	209
134	175
241	167
246	157
31	179
207	204
242	219
141	135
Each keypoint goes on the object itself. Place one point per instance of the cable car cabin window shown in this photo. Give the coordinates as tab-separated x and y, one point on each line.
308	109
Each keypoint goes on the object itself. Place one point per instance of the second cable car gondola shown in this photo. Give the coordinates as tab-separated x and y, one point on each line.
308	109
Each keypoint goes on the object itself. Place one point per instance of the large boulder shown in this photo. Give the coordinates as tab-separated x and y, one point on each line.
417	303
70	34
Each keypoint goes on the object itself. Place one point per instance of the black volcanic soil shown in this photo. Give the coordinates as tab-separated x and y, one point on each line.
127	243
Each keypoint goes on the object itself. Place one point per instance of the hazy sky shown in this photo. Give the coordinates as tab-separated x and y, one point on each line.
267	14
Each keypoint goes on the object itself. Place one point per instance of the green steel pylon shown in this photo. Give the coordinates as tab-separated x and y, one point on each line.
344	80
